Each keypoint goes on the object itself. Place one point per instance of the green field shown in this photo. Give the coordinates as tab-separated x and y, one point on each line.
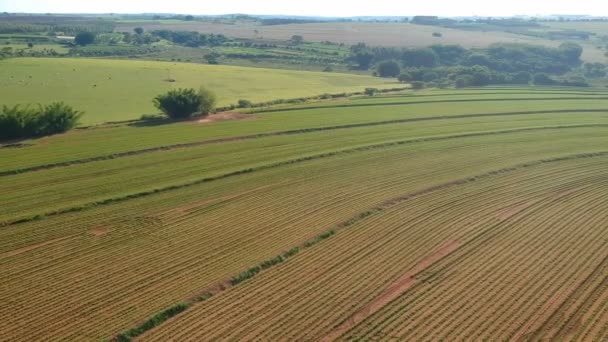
118	90
417	215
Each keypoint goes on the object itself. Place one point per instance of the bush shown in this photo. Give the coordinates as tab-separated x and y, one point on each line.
24	122
388	69
417	85
370	91
84	38
208	100
244	103
183	103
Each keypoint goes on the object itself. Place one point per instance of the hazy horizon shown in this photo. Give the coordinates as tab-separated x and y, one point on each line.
316	7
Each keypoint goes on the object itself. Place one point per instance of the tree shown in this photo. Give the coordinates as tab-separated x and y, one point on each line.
543	79
84	38
30	45
522	77
297	39
595	70
138	30
430	76
420	58
463	81
571	51
417	85
363	59
189	18
404	77
388	69
183	103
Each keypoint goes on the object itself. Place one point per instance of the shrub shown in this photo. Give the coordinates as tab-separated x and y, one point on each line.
24	122
178	103
208	100
370	91
417	85
244	103
56	118
183	103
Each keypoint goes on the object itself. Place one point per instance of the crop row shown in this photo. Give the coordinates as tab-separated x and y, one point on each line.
100	271
35	196
107	141
319	289
505	286
281	133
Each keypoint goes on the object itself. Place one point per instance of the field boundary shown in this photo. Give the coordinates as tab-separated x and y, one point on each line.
112	200
281	133
224	285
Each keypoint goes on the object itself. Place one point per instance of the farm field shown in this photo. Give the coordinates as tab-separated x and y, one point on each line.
438	214
375	34
119	90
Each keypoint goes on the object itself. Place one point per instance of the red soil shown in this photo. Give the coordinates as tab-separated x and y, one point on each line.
396	289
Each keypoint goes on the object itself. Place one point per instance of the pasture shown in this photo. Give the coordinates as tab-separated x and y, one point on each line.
119	90
419	215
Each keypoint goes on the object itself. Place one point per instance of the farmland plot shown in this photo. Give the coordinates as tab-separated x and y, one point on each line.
385	211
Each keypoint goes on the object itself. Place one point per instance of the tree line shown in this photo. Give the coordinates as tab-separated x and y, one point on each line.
499	63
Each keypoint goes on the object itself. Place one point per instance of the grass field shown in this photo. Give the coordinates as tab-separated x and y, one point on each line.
118	90
453	214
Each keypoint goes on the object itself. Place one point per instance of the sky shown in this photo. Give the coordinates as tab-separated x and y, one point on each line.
315	7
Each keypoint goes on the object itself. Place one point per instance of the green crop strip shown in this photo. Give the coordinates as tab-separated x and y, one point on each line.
279	164
288	132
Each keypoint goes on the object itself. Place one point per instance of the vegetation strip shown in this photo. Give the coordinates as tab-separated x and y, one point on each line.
280	133
279	164
348	105
253	271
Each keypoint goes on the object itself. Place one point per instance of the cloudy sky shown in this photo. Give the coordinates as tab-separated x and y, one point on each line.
314	7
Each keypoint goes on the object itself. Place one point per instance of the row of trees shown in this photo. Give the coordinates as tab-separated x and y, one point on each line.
139	37
499	57
497	64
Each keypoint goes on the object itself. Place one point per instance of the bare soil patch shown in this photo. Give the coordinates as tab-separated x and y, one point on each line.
226	116
100	231
396	289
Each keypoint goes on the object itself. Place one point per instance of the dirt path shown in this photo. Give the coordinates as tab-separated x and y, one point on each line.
396	289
